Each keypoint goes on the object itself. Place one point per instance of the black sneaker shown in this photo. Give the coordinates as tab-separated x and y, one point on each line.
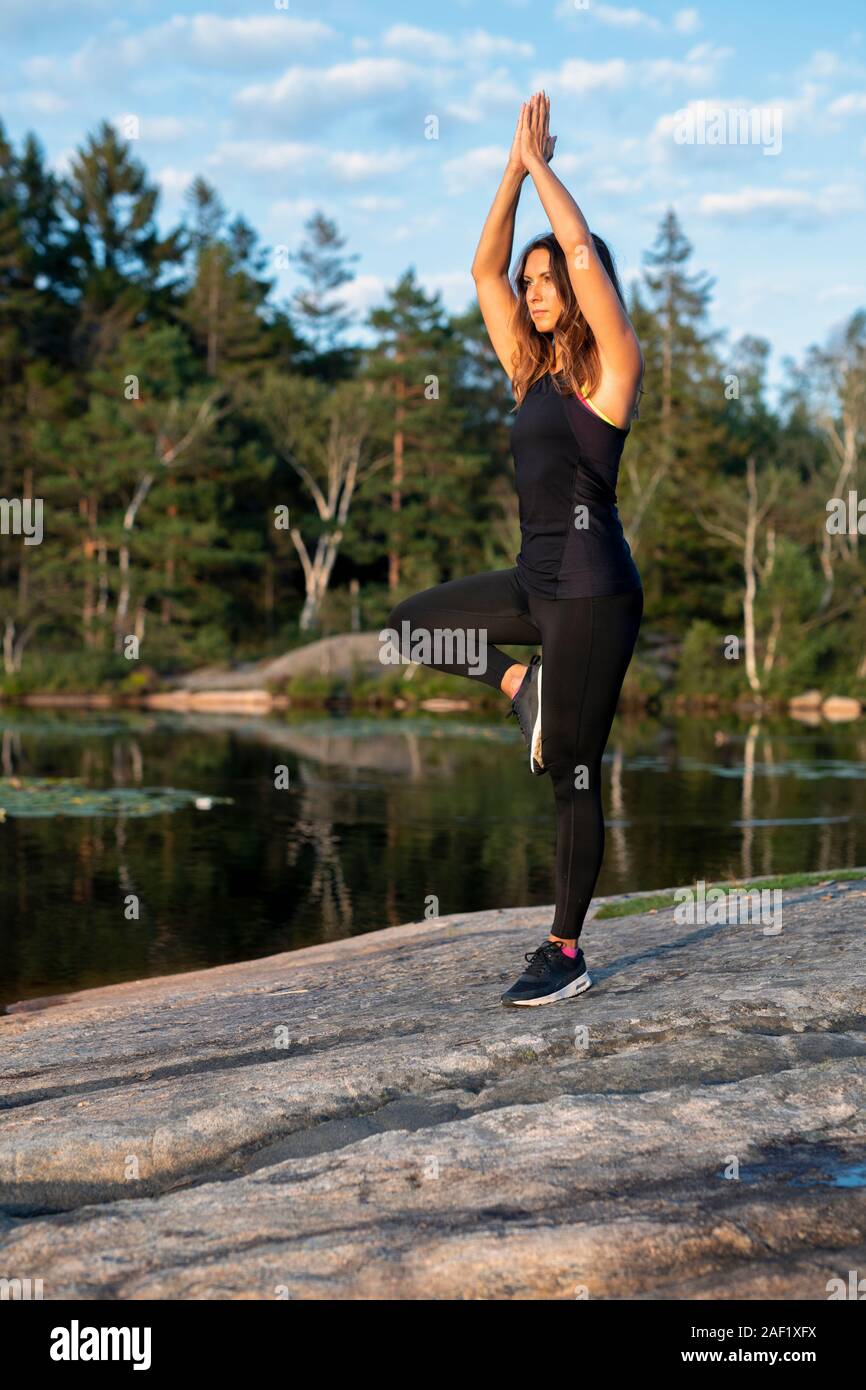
549	976
526	707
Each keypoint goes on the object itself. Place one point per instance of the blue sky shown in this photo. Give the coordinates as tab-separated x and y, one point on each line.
303	107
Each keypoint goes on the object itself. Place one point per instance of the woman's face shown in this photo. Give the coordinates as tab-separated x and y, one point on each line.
542	299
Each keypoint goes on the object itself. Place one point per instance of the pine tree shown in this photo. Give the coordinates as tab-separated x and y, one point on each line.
118	257
223	304
681	432
414	368
321	318
488	498
148	419
34	327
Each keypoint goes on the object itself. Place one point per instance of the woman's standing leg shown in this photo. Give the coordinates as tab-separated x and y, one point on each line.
588	645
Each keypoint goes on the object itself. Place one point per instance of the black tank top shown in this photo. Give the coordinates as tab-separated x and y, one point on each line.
566	461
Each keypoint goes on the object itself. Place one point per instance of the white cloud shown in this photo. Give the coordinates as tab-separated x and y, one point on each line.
495	91
842	197
428	45
853	103
411	230
489	96
627	17
45	102
455	287
628	273
38	69
293	157
579	76
363	293
854	293
471	114
287	215
375	203
225	42
618	184
61	164
195	41
571	163
698	68
686	21
353	166
826	204
750	200
291	207
174	182
418	43
262	157
822	63
300	90
483	45
826	66
766	123
462	174
163	128
799	109
624	19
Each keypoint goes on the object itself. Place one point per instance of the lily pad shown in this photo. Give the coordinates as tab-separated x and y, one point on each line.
54	796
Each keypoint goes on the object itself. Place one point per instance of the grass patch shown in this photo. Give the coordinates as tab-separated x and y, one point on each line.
657	902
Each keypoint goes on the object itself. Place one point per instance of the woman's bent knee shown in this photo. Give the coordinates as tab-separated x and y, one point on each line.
406	611
405	621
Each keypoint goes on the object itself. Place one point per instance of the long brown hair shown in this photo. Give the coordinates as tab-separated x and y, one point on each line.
535	352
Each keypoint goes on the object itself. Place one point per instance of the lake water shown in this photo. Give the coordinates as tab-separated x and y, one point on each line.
381	821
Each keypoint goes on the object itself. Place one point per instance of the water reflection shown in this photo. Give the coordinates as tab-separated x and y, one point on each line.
379	817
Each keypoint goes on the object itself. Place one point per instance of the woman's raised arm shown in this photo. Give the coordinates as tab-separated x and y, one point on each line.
496	298
599	302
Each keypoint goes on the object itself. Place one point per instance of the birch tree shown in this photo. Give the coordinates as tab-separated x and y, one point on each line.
322	435
744	521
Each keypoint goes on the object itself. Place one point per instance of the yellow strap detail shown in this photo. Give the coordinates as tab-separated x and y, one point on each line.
596	410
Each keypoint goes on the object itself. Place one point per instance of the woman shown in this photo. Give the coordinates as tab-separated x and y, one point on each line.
562	334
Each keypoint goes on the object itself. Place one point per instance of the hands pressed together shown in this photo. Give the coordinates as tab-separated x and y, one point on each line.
532	139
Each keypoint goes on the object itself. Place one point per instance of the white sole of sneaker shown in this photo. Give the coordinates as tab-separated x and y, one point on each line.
535	745
567	992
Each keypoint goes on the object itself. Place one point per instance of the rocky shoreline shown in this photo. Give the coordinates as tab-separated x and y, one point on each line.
811	708
364	1119
277	684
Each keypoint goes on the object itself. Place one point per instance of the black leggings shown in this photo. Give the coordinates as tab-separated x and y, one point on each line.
587	644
